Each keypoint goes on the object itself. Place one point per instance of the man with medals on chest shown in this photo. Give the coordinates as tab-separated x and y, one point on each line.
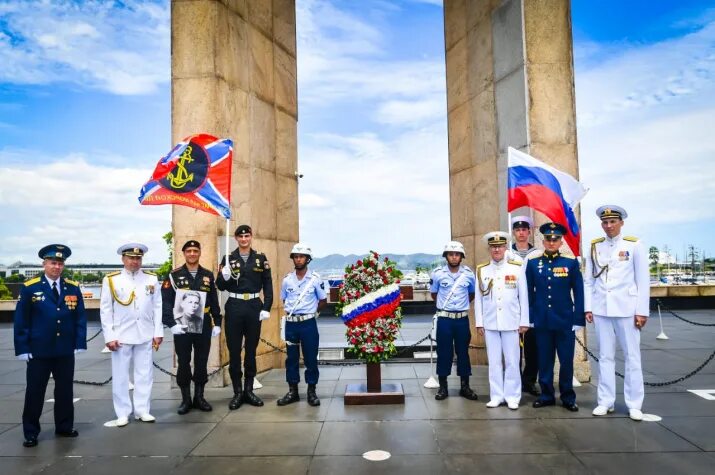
244	274
188	294
617	299
130	310
303	295
521	229
501	313
555	289
452	287
50	328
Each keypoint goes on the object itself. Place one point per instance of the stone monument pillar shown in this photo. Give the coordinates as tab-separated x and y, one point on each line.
233	74
510	82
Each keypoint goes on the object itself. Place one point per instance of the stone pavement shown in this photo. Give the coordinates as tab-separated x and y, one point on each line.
423	436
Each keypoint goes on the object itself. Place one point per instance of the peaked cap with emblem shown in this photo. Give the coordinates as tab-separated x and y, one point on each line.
132	249
611	211
496	238
552	230
55	251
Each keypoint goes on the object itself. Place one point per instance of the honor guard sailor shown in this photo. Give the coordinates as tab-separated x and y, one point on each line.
195	284
50	328
452	287
130	310
555	289
303	295
521	229
244	274
501	313
617	288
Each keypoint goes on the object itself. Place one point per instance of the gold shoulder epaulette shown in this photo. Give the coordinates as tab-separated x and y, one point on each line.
112	274
73	282
516	263
630	238
32	281
479	266
150	273
597	240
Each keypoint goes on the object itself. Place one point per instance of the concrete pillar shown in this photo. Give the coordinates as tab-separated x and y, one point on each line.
509	83
233	66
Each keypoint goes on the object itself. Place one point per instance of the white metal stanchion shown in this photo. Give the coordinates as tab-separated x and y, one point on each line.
431	382
257	384
661	335
576	383
105	350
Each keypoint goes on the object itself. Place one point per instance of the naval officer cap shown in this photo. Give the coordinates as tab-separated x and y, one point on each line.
58	252
496	238
611	211
243	229
521	222
132	249
191	243
552	231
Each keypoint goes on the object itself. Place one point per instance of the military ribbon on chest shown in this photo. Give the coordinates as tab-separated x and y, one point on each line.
560	271
510	281
71	301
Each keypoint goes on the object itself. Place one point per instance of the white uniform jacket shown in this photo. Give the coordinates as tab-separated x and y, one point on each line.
130	307
502	301
623	287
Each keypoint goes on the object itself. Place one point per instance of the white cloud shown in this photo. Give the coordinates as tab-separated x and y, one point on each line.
122	48
92	208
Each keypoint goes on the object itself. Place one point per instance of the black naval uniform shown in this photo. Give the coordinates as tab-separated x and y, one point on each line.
242	316
200	342
530	355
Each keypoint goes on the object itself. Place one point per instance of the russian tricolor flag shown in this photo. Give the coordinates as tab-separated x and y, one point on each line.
534	184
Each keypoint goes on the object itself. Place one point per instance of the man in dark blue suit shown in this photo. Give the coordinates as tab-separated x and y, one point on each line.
556	312
50	327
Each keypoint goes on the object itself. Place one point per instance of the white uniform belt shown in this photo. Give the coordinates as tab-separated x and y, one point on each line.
448	314
300	318
245	296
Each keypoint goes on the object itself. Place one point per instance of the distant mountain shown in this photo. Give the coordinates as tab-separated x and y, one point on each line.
404	261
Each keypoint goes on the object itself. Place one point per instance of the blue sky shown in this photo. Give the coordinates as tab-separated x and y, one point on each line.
85	115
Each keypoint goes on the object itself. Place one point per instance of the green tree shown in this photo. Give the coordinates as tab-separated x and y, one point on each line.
16	278
5	293
653	255
163	271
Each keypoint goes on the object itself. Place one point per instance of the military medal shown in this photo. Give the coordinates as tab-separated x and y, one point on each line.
71	301
149	289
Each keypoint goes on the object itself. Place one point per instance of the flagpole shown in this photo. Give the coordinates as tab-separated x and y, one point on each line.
228	230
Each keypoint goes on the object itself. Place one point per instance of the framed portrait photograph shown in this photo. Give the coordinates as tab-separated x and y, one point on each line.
189	309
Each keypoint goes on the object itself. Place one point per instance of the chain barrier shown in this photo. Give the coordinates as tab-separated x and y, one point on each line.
664	307
92	383
656	385
95	335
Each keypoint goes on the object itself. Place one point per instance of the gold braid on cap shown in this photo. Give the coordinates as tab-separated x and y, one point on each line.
595	263
116	299
482	290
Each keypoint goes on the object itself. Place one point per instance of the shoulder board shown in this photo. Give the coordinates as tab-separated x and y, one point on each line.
630	238
72	282
479	266
597	240
516	263
150	273
315	274
112	274
568	257
259	253
32	281
467	268
172	270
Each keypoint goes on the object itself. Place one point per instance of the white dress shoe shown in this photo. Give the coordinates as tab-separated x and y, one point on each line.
512	405
494	403
635	414
121	421
145	418
602	410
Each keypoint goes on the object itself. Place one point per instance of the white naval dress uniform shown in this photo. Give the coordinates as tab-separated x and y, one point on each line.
131	314
619	293
501	312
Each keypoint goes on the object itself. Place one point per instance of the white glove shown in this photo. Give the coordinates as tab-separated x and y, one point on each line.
226	273
576	328
264	315
215	331
25	357
179	329
79	350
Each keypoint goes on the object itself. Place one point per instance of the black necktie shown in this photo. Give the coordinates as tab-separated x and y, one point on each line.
55	291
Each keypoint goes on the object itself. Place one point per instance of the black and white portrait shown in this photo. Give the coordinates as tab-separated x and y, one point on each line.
189	309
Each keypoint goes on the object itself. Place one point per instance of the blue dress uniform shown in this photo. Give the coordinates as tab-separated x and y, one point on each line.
454	291
301	326
49	328
552	278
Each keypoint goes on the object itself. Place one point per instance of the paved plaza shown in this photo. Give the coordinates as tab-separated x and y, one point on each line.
423	436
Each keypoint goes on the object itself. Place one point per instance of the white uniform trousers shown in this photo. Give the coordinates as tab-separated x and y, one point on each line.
504	383
608	329
143	378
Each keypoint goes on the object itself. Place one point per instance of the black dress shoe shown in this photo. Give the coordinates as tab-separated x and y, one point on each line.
539	403
72	433
573	407
30	442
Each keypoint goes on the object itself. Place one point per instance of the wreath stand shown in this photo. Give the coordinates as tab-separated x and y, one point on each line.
375	391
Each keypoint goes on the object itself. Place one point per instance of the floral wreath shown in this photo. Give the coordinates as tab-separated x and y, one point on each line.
369	305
